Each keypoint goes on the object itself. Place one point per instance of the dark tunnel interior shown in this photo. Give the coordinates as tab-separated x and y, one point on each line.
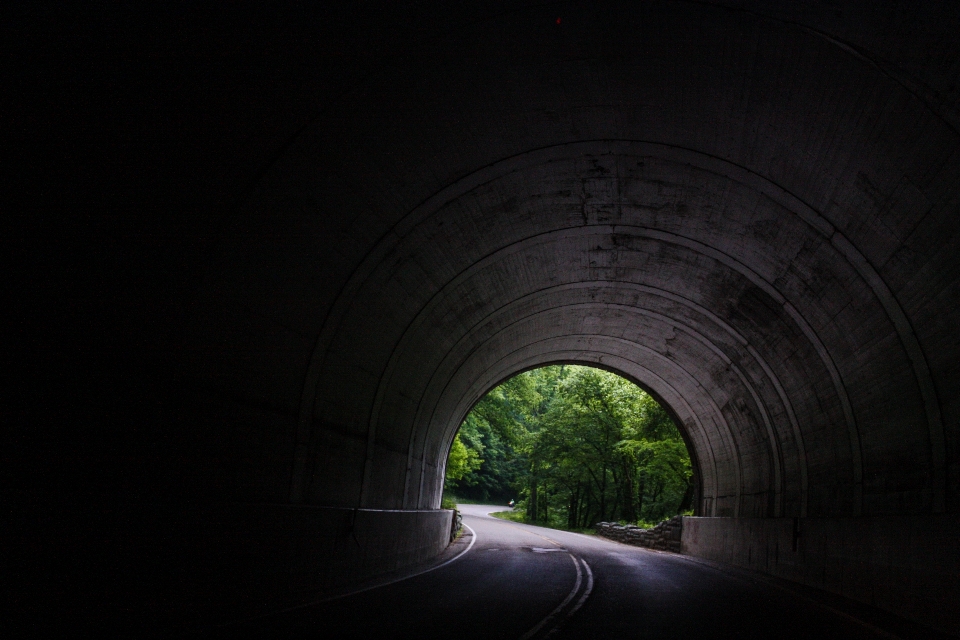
267	259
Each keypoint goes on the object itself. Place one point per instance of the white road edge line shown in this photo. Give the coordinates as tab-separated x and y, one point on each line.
384	584
352	593
766	579
576	587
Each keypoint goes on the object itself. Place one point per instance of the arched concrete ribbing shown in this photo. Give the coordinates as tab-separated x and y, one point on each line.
719	259
363	221
547	167
746	212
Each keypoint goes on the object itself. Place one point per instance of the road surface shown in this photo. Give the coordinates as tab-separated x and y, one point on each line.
513	581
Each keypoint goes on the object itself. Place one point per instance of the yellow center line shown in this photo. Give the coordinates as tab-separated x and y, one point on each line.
553	542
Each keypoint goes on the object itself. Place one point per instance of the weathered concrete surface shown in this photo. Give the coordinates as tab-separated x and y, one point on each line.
234	561
277	255
903	564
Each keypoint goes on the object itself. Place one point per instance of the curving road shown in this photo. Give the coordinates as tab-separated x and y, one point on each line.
506	580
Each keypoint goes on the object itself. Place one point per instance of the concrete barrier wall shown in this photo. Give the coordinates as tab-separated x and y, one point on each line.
908	565
234	561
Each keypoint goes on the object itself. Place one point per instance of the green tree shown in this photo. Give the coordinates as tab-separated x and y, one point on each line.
578	445
461	461
493	429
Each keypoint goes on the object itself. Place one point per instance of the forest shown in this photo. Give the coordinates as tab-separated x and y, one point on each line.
573	445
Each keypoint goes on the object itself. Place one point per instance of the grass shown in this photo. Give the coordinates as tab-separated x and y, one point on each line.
518	515
512	516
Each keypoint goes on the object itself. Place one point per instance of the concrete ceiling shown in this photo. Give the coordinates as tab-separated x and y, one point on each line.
749	211
319	235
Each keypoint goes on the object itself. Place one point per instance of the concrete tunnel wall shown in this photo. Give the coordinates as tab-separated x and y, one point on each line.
750	209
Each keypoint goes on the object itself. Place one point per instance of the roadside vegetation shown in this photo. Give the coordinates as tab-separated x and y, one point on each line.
573	446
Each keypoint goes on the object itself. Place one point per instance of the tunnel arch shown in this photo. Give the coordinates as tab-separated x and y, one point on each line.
610	242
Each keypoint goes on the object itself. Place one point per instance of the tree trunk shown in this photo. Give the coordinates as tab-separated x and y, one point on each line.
687	499
532	501
587	508
573	515
641	488
629	514
603	493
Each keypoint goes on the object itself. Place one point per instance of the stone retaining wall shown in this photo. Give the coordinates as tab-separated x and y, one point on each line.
665	536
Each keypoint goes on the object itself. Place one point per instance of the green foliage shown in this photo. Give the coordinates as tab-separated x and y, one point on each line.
492	430
455	499
447	503
461	461
576	445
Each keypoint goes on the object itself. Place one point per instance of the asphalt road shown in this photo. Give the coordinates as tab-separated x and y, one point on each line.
507	580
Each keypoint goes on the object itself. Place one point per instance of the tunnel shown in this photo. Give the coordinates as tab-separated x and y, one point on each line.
278	255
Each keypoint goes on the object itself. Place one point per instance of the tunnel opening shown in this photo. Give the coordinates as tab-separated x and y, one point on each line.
569	445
